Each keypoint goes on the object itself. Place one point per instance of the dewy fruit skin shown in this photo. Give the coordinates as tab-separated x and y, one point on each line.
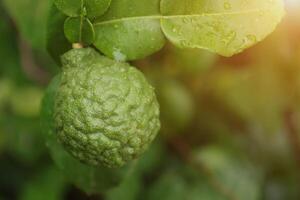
106	113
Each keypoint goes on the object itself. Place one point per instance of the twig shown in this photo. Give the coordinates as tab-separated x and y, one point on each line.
292	133
29	66
183	150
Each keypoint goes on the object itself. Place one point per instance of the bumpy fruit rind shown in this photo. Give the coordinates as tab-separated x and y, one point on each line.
91	179
106	113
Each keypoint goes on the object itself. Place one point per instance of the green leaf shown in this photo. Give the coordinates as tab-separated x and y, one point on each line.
75	8
221	175
152	159
204	190
170	186
57	43
128	189
6	89
48	185
96	8
69	7
283	185
9	52
79	30
128	31
191	62
30	17
28	33
226	27
23	141
183	183
234	174
25	101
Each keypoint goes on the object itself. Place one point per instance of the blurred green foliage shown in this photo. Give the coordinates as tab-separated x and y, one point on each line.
230	126
49	184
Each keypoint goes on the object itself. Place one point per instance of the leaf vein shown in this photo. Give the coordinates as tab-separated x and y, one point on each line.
160	17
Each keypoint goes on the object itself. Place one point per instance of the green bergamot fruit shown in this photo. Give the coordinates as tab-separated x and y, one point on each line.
106	113
91	179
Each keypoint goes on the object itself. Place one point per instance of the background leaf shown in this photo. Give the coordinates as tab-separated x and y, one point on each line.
9	51
170	186
181	182
234	174
49	184
128	189
31	18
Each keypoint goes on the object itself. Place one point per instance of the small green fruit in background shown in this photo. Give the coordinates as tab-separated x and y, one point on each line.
26	101
106	113
6	88
177	105
23	101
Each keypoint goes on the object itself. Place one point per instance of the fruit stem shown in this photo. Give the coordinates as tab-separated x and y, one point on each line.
77	46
